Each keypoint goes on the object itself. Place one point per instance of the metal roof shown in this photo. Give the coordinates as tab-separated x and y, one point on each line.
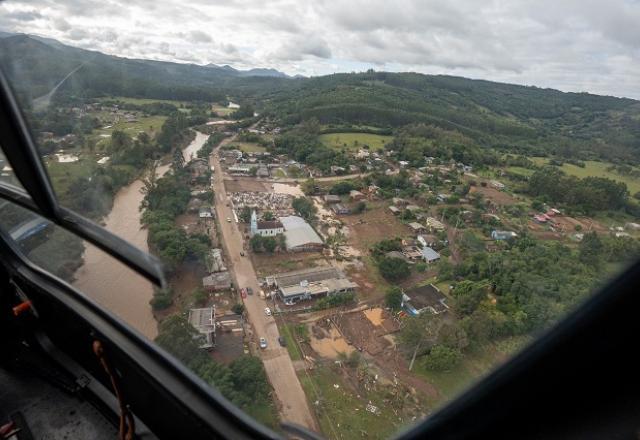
298	232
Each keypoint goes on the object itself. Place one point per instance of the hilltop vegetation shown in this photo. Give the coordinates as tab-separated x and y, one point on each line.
509	117
504	116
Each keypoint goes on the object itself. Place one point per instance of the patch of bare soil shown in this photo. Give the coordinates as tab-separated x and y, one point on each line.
266	264
240	184
498	197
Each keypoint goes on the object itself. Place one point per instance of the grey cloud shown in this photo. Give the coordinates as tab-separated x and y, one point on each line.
78	34
572	44
61	24
298	48
229	48
200	37
23	15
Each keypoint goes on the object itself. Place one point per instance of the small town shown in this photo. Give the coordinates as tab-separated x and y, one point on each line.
347	252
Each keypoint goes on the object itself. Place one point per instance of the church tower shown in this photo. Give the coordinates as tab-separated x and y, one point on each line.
254	223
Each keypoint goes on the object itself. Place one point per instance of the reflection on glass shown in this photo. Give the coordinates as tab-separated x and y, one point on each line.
94	272
7	175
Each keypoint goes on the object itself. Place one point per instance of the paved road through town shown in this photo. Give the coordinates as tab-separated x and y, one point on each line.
277	363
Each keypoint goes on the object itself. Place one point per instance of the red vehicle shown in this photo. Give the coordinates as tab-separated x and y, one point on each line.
243	292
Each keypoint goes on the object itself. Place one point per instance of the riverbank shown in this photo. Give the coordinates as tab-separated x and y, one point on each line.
111	283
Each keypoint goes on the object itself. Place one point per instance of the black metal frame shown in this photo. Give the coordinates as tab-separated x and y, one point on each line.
196	407
540	393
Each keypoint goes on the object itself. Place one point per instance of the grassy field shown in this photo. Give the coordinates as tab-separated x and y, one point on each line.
150	124
521	171
222	111
595	169
476	363
355	141
291	334
250	147
142	101
342	413
62	174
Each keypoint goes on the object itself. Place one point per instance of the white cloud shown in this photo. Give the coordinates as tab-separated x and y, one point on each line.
574	45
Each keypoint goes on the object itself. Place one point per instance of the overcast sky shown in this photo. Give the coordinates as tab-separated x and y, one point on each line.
571	45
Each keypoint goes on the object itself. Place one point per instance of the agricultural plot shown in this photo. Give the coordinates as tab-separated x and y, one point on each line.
250	147
150	124
355	141
222	111
595	169
143	101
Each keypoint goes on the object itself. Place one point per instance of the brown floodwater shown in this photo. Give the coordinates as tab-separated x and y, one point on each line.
111	283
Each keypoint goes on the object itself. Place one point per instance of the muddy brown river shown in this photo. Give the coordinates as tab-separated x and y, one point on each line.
111	283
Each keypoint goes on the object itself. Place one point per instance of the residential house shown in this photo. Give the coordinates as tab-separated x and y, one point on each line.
417	227
341	209
497	185
434	224
331	198
205	212
203	320
503	235
427	240
356	195
216	281
423	299
412	253
429	255
214	261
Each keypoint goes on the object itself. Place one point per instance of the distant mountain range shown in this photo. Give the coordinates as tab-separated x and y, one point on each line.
533	120
36	64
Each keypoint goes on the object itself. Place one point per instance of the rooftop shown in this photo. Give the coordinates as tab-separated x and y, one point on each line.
311	275
429	254
298	232
218	280
269	224
202	319
425	297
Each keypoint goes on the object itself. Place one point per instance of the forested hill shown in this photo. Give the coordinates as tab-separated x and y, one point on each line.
496	114
506	116
35	65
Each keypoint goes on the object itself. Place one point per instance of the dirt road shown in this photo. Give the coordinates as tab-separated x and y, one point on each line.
278	365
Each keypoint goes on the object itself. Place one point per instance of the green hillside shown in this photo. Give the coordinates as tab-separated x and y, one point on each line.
528	119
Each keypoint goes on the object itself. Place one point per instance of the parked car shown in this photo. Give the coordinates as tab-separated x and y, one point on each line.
242	253
229	219
282	341
262	296
249	290
243	292
263	343
267	311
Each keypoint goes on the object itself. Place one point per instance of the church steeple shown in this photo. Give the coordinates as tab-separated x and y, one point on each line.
254	223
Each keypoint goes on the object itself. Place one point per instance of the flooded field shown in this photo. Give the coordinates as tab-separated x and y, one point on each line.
328	343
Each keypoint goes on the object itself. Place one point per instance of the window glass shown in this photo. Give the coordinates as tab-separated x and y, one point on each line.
190	329
372	242
7	176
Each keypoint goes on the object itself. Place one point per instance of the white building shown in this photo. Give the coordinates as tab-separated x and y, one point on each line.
269	228
203	320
